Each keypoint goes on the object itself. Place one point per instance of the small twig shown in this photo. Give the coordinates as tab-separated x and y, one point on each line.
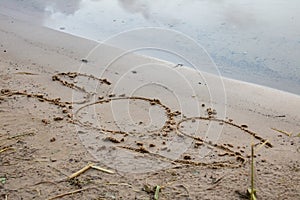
70	193
102	169
156	194
216	183
280	131
260	146
251	190
90	165
5	149
219	179
252	171
124	184
81	171
25	73
43	182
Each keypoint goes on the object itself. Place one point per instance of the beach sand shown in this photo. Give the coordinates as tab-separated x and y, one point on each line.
66	102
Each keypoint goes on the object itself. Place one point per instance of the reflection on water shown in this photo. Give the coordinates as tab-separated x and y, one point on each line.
251	40
134	7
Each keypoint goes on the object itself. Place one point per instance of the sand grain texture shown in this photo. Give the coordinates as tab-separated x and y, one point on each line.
58	113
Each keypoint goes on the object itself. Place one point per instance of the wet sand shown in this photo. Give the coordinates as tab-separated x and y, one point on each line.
149	122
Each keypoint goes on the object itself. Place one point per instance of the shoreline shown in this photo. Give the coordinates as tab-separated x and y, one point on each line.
275	81
146	121
145	56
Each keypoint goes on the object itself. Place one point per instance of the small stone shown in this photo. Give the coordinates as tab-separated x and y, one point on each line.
106	81
45	121
84	60
187	157
58	118
139	143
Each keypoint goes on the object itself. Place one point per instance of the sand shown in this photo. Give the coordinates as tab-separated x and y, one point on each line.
65	104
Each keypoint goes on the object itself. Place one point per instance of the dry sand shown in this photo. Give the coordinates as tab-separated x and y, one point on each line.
146	121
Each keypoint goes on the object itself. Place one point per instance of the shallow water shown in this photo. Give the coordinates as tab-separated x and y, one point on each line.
251	40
